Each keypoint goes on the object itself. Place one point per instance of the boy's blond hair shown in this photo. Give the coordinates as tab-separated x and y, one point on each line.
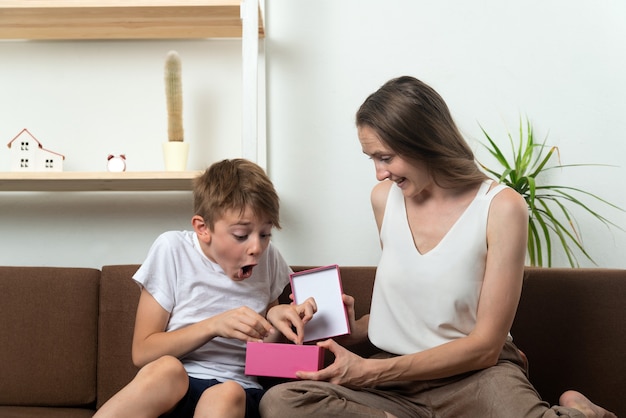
235	184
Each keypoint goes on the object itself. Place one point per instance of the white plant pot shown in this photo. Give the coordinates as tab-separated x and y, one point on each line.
175	155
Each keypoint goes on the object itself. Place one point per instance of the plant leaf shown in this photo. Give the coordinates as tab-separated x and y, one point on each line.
527	161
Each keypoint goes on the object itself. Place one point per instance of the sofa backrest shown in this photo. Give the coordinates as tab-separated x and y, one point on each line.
47	316
119	295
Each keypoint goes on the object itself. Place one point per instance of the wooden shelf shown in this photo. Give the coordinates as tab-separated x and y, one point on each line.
130	19
97	181
121	19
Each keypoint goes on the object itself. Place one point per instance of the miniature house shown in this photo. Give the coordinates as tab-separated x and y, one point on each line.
27	154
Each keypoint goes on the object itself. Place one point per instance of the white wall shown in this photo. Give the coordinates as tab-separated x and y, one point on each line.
559	62
89	99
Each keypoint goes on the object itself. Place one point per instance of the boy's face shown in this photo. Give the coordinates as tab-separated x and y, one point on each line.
236	243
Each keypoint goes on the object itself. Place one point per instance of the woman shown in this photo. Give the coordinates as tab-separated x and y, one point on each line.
447	285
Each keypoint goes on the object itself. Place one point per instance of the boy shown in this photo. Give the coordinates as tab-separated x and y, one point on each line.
204	294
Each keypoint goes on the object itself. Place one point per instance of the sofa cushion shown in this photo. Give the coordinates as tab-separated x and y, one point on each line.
119	295
49	315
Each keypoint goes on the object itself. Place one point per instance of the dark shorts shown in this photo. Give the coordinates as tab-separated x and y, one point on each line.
187	406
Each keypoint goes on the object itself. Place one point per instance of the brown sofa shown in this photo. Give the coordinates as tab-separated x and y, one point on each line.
65	334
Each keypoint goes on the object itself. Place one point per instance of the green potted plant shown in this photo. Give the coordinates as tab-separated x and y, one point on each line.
549	206
175	150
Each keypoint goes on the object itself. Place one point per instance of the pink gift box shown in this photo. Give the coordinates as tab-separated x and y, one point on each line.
282	360
331	320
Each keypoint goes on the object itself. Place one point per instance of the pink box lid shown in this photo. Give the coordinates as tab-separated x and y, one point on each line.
324	285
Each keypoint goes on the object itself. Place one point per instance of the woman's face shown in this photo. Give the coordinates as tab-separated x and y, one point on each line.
410	176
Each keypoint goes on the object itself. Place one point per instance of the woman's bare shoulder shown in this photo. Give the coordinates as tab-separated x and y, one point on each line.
379	194
509	205
379	200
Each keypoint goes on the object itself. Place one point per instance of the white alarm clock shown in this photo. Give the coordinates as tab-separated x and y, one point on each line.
116	163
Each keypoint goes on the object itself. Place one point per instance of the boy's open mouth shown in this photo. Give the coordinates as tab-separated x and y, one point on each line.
245	271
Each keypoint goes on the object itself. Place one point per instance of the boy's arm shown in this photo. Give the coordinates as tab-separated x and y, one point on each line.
274	336
150	341
150	320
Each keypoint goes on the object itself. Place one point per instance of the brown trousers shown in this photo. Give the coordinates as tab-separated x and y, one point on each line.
501	391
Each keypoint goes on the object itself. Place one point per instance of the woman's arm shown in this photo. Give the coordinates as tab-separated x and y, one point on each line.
506	241
378	199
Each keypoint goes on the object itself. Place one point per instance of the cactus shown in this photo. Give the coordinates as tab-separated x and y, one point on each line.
174	97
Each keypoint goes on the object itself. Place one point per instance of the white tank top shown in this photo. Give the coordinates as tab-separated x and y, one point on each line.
424	300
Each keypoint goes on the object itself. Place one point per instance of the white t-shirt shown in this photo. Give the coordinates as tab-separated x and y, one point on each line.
419	300
192	288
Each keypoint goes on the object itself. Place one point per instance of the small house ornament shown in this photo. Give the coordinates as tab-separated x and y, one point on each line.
28	154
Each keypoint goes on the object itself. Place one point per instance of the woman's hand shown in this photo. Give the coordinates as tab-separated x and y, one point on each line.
287	317
358	329
348	302
348	369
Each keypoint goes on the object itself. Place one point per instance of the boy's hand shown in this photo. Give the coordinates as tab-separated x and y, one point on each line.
242	324
286	317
